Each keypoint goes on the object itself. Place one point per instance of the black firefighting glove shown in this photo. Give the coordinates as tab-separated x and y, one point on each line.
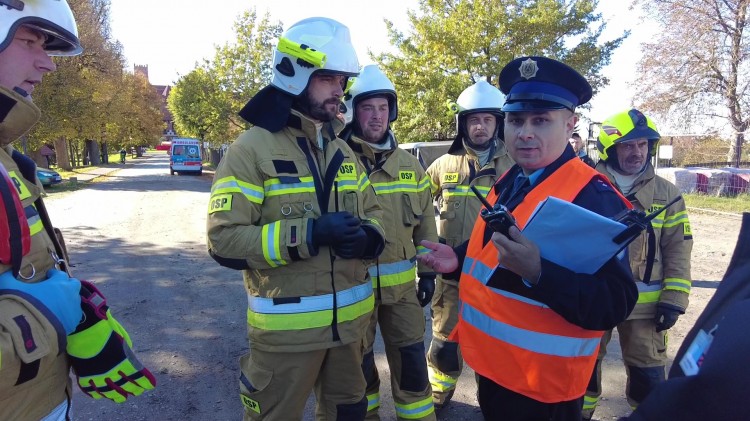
666	316
334	228
425	289
352	247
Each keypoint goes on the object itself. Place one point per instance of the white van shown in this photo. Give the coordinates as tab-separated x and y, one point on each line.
185	156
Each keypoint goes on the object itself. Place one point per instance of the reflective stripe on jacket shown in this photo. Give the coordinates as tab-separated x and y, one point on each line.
519	343
267	191
670	276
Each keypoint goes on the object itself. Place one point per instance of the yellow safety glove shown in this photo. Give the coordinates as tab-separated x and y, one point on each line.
100	351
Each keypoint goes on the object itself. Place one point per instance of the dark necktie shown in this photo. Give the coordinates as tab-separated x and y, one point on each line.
520	183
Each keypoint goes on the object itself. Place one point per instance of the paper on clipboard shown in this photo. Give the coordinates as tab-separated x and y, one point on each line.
571	236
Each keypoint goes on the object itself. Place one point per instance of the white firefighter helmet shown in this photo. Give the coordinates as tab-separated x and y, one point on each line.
311	45
371	82
51	17
480	97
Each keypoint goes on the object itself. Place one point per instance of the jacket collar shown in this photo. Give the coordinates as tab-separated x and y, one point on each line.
643	187
302	125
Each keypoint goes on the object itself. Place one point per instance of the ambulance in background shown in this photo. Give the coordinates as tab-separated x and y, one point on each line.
185	156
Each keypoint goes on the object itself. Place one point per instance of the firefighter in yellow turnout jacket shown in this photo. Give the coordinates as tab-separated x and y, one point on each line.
476	158
292	207
45	326
660	261
403	190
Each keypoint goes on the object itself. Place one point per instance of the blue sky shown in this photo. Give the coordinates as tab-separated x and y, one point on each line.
170	36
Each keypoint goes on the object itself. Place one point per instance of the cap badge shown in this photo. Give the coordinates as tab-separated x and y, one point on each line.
528	69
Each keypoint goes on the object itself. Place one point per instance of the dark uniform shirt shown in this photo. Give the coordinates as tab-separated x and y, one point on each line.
597	302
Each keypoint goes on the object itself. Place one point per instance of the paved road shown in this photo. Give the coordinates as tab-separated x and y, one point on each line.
139	234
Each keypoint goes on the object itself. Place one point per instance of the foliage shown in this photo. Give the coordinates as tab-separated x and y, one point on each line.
453	43
89	96
696	69
205	102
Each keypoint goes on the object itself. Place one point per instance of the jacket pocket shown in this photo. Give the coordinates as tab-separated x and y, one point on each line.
410	209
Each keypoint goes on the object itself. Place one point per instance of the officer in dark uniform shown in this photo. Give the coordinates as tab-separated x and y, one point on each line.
539	119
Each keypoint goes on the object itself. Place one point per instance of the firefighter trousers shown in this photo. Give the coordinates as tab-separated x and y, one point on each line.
276	385
402	326
644	352
444	361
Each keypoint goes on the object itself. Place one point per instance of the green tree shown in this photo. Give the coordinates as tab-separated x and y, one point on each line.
696	68
453	43
90	97
205	102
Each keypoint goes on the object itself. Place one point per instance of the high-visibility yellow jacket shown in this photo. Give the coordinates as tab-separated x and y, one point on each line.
451	177
33	361
670	276
267	190
403	190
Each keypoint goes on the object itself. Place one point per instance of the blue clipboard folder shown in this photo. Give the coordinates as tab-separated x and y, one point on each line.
573	237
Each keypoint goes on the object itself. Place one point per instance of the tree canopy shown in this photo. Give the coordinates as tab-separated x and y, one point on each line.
696	69
205	101
453	43
90	96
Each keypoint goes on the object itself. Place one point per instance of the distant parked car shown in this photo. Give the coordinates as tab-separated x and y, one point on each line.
48	177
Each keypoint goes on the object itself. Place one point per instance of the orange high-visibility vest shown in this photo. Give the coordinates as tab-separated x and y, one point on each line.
519	343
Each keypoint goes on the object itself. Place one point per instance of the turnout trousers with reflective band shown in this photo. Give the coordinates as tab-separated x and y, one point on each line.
518	343
444	360
644	352
276	385
402	326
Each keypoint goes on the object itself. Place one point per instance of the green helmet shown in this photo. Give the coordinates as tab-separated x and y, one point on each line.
623	127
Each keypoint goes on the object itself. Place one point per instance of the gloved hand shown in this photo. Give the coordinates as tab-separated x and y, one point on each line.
59	293
352	247
425	289
334	228
100	352
666	316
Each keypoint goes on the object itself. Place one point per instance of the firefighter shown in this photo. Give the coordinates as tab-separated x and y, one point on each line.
293	209
403	188
659	258
48	320
528	327
477	158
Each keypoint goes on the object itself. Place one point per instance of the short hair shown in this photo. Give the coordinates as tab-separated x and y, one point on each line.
576	136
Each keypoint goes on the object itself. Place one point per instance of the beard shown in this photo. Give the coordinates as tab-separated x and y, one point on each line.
316	109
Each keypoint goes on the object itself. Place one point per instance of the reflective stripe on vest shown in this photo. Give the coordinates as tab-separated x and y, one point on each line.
309	312
517	342
391	274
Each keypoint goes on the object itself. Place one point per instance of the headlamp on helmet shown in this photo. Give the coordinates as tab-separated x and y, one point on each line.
623	127
311	45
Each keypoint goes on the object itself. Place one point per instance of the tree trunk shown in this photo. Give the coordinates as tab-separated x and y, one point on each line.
61	152
734	157
92	150
104	152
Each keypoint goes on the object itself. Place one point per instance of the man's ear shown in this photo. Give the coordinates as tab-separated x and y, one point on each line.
570	124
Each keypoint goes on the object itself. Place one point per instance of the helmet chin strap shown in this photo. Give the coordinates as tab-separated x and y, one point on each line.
17	114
